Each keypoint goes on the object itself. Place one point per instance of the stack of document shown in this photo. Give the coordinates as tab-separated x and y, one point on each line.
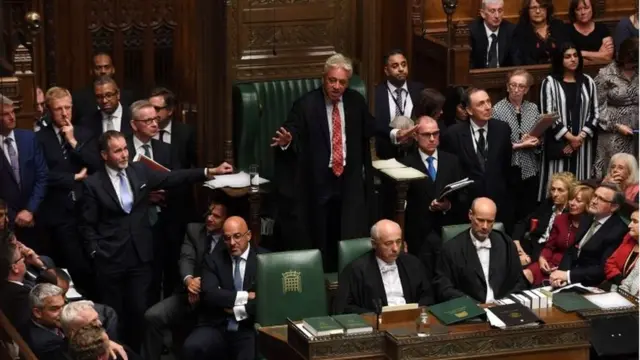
455	186
238	180
609	300
397	170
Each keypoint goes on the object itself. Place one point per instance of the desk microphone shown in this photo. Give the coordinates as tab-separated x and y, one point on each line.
377	304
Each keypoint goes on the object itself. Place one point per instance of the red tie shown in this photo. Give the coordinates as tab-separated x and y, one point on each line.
336	141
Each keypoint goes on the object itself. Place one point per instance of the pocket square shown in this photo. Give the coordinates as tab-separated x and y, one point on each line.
143	186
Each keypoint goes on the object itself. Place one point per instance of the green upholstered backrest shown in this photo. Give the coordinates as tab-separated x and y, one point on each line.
349	250
451	231
290	284
259	109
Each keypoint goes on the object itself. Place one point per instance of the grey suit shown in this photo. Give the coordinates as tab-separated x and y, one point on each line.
174	309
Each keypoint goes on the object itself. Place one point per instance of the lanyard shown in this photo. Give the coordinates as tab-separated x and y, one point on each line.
396	100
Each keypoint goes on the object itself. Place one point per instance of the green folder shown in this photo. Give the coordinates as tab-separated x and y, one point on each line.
569	302
456	310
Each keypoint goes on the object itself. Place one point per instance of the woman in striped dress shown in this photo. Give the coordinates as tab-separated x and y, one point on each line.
569	142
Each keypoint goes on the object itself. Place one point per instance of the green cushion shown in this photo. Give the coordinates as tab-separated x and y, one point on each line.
349	250
290	284
451	231
259	109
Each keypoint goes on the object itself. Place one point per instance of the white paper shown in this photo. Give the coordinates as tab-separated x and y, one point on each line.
387	164
610	300
593	290
410	306
405	173
305	331
238	180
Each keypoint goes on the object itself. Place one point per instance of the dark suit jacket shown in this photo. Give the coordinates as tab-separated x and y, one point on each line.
588	267
491	182
84	101
58	205
507	49
45	344
361	284
218	291
184	154
93	121
108	229
33	175
194	249
384	148
459	271
14	303
420	221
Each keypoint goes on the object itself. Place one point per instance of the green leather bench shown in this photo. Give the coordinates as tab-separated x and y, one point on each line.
259	109
451	231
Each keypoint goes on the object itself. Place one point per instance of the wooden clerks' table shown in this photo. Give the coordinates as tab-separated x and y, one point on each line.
564	336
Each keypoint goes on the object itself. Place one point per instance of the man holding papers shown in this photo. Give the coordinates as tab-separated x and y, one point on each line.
425	213
384	276
480	263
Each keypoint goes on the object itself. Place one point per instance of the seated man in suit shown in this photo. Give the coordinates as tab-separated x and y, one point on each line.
491	38
23	175
385	276
425	215
14	301
599	234
227	303
111	113
46	338
480	263
200	240
79	314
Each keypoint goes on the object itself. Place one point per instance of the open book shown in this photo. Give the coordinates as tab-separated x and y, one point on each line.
150	163
455	186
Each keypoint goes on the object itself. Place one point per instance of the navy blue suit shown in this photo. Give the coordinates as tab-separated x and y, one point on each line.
33	182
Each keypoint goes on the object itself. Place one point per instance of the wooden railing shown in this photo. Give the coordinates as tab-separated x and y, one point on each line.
9	338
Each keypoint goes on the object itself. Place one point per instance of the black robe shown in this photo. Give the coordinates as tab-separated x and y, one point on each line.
361	284
302	171
459	271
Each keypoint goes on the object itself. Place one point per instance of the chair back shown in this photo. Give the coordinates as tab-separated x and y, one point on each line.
349	250
290	284
451	231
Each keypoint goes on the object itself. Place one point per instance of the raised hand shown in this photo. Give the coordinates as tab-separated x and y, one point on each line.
282	138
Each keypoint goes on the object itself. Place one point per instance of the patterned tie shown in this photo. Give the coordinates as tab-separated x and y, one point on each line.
63	144
13	159
237	283
110	125
430	168
162	132
126	198
336	141
147	151
492	57
398	101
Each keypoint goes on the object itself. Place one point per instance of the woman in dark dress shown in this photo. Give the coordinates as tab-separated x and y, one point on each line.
562	237
454	111
538	34
593	39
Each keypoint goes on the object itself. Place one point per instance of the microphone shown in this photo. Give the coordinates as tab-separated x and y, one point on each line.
377	304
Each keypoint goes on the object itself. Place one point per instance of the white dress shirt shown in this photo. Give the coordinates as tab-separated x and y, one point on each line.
424	158
391	282
5	149
584	240
242	297
483	249
138	145
167	133
116	118
115	181
488	32
476	135
391	94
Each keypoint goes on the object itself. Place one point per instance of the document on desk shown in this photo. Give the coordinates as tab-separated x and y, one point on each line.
609	300
387	164
410	306
238	180
405	173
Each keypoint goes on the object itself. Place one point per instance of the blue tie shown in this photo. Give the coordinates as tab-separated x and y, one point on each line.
237	283
125	193
430	168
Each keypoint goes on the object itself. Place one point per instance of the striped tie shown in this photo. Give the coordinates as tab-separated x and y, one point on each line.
63	145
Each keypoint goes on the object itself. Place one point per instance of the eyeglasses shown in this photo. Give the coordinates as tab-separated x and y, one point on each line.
428	135
235	237
106	96
600	198
515	86
148	121
19	259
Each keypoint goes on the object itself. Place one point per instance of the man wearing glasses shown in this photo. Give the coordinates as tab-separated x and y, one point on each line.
15	294
227	299
111	114
599	234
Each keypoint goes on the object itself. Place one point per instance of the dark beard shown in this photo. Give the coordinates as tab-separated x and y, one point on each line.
395	82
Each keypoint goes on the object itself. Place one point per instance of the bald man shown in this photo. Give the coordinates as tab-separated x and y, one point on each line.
383	276
425	214
227	297
480	263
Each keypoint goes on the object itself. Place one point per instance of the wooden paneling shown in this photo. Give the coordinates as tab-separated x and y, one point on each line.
435	19
275	39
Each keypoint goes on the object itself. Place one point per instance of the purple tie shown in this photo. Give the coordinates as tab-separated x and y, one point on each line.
13	159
